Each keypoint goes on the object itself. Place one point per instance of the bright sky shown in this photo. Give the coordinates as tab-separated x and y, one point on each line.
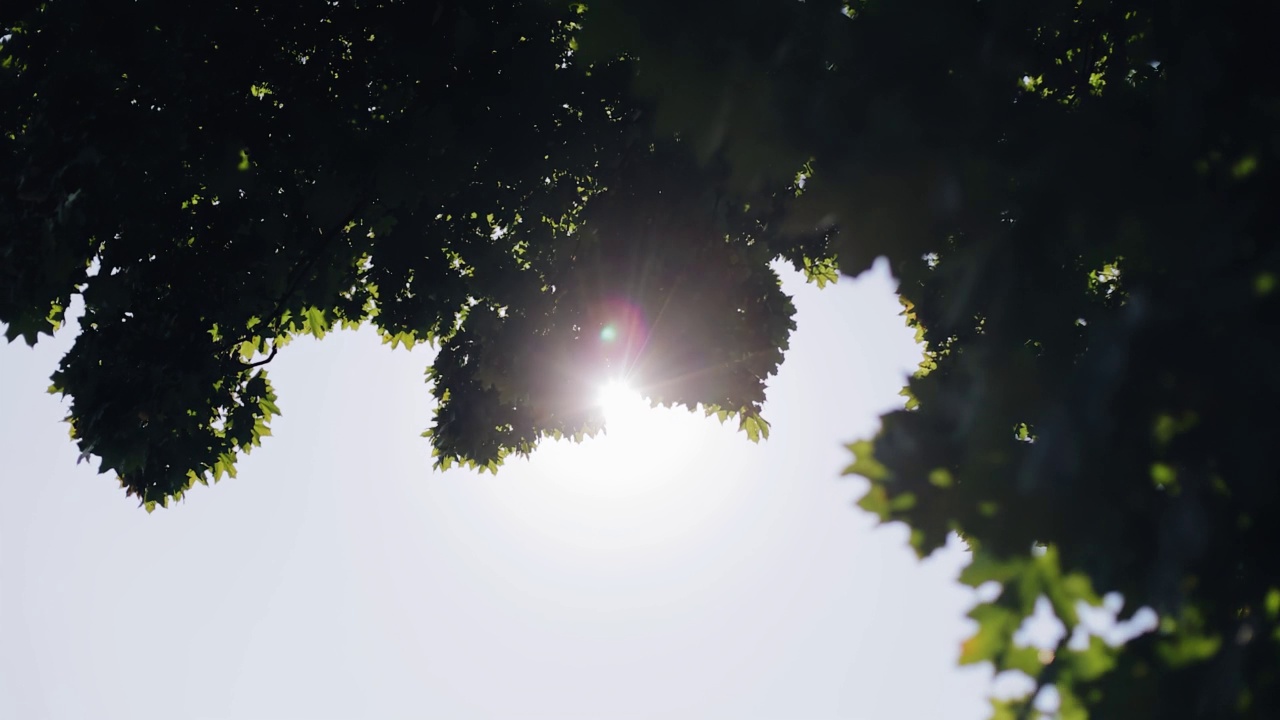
670	570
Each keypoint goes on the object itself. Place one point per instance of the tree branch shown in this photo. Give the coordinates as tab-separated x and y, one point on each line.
271	356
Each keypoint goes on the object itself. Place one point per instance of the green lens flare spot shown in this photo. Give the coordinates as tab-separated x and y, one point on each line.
609	333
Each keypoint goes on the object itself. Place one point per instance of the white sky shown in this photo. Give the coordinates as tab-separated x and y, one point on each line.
672	570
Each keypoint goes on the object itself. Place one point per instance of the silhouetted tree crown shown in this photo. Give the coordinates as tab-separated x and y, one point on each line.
1078	197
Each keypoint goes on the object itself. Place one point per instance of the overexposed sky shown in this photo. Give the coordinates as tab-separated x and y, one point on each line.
670	570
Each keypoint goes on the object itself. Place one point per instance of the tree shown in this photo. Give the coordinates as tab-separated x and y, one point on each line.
1076	195
216	181
1078	198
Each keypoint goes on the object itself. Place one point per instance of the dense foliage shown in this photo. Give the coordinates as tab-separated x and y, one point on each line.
214	181
1078	197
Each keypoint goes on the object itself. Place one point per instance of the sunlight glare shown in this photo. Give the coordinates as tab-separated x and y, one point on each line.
619	403
641	487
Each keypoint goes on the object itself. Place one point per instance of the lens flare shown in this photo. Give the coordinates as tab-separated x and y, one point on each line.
621	336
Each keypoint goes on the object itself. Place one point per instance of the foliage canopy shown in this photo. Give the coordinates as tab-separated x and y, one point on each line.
216	181
1079	199
1077	196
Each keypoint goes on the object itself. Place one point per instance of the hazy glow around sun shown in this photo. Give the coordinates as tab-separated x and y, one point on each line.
641	488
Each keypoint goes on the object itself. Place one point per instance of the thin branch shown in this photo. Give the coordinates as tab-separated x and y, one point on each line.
271	356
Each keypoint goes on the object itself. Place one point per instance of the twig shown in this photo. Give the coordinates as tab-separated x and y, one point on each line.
271	356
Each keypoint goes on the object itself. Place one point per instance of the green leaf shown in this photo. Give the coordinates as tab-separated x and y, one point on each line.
314	322
1164	476
902	503
912	403
996	626
1093	662
876	501
986	568
1029	660
941	478
1186	647
864	462
755	427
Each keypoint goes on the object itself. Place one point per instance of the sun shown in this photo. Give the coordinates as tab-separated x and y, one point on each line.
620	404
